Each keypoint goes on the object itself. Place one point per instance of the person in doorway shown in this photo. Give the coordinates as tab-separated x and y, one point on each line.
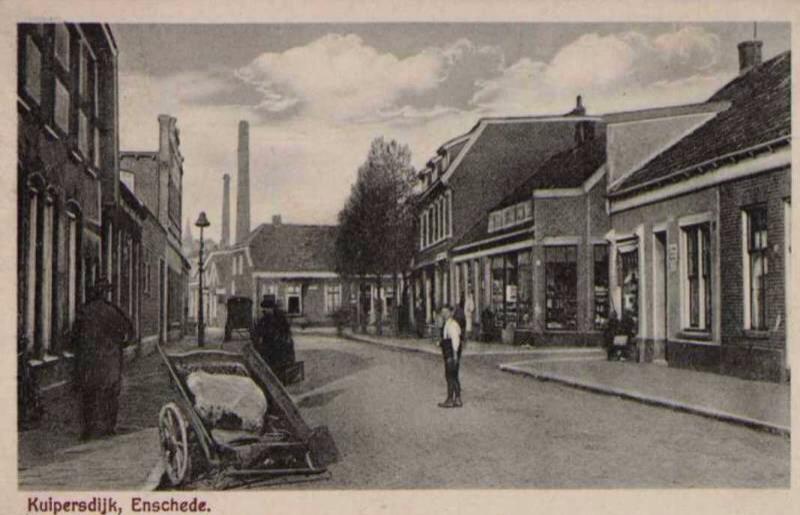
469	312
99	333
451	353
461	319
419	318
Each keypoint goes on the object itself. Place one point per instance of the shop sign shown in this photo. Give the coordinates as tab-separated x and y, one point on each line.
673	257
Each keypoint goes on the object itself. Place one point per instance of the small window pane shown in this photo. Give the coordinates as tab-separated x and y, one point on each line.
62	44
96	147
33	70
83	134
96	82
84	71
62	106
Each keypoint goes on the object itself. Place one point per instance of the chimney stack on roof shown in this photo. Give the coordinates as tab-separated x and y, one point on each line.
243	184
750	52
276	219
579	109
225	240
584	130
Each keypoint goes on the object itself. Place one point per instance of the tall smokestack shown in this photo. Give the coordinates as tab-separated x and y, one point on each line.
225	240
243	184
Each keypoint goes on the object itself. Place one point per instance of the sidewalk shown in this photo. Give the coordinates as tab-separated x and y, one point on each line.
122	462
475	348
51	457
755	404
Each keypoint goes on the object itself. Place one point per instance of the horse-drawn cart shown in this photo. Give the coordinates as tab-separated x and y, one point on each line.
233	422
239	317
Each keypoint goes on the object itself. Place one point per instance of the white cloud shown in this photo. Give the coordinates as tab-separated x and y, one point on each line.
615	71
322	103
690	45
341	78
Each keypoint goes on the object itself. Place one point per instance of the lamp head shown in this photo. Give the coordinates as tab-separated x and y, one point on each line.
202	220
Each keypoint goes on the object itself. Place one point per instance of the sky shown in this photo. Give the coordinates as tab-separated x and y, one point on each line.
317	94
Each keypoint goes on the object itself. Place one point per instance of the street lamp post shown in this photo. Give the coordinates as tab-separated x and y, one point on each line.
202	222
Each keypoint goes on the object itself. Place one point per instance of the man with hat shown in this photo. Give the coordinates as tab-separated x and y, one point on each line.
99	334
274	335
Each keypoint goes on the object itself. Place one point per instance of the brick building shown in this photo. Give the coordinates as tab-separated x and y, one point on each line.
156	179
70	209
538	261
470	176
291	261
700	218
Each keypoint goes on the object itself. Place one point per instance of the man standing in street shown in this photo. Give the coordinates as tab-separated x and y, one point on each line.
274	335
99	334
451	352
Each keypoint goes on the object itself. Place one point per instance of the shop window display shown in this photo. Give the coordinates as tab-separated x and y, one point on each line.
561	287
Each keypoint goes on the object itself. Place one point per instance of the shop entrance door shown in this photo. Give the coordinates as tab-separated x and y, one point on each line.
660	296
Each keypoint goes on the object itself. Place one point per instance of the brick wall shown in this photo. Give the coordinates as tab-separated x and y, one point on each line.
153	248
746	353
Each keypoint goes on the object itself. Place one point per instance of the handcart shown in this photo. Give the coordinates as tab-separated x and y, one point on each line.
196	447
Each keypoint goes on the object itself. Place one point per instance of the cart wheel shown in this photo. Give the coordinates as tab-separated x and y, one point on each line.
174	435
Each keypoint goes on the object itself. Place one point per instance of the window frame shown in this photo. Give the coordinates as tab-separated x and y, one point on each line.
32	267
604	265
697	276
750	252
59	83
294	290
73	260
66	59
333	297
569	257
30	43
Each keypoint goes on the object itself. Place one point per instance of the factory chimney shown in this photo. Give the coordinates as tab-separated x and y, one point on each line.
243	184
225	240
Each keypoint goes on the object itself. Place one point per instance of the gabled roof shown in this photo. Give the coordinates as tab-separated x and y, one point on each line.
759	115
495	136
568	169
293	248
499	156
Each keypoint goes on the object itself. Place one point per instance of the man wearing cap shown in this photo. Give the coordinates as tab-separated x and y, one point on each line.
451	352
99	334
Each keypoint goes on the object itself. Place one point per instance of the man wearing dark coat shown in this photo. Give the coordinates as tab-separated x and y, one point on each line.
274	335
99	334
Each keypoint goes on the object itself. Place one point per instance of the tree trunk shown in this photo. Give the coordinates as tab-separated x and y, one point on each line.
398	302
378	308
